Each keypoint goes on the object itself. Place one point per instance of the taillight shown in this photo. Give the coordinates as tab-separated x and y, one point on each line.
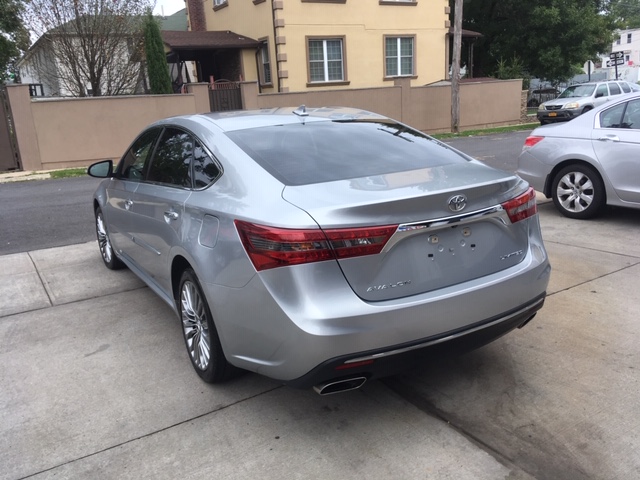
521	207
531	141
271	247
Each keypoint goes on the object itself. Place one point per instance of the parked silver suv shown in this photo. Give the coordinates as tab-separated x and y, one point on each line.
577	99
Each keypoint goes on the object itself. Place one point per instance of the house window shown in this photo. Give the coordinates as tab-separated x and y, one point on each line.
326	60
628	38
219	2
398	56
265	74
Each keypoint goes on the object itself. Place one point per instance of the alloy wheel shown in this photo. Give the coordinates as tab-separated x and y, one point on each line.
195	325
575	192
103	239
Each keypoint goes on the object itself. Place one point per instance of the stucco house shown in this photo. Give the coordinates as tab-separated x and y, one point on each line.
50	76
307	45
628	43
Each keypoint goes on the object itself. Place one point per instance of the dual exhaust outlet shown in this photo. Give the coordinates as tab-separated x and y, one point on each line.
339	386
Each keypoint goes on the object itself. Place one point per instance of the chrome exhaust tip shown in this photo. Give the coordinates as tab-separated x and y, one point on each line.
527	320
339	386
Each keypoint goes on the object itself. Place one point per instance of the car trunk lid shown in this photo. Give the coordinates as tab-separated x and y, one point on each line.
433	246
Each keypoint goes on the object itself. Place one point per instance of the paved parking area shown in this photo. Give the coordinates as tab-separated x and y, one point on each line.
95	383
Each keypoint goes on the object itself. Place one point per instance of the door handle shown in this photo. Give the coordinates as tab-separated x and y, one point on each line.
170	215
609	138
127	204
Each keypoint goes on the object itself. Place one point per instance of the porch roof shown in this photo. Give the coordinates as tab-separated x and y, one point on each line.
209	40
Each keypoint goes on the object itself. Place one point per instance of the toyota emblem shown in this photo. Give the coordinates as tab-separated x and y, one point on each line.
457	203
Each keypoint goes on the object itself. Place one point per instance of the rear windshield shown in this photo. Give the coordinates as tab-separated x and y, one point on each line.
317	152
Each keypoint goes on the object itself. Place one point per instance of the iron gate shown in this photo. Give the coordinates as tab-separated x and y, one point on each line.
225	95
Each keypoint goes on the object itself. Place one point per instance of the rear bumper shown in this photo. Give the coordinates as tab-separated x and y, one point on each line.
390	360
297	324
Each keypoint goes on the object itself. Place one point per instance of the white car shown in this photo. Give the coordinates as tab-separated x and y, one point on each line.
579	99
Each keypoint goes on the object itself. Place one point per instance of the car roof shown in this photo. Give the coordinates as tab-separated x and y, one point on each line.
245	119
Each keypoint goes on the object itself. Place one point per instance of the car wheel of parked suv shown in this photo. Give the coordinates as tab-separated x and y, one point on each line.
578	192
199	331
106	250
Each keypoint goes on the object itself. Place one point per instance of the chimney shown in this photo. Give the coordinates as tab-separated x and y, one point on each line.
197	20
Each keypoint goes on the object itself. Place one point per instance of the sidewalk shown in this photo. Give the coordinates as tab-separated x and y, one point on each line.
7	177
95	382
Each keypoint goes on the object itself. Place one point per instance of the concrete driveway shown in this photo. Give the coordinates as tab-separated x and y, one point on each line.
95	383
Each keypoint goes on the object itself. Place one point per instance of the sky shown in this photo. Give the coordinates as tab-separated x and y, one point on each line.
170	6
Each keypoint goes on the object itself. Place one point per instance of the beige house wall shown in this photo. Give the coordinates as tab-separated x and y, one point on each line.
362	24
249	19
61	133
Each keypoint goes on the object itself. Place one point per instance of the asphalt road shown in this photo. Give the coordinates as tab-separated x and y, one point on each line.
46	213
53	213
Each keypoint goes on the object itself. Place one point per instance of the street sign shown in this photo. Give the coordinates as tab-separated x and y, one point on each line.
616	55
613	63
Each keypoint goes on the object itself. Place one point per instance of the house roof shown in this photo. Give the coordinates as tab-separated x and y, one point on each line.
177	21
206	40
467	33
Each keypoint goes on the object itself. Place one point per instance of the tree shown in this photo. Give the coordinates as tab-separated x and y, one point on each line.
157	68
626	13
89	47
549	37
14	37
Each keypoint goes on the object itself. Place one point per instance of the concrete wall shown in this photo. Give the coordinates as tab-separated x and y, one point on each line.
482	104
62	133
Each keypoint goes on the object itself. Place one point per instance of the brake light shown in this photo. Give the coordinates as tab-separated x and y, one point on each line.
532	141
271	247
521	207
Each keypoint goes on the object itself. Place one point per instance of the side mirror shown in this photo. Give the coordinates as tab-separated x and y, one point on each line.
599	94
103	169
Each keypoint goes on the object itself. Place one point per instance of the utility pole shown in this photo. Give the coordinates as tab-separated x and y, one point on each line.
455	67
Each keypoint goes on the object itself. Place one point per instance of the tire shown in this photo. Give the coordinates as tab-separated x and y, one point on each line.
586	109
543	122
578	192
106	249
199	331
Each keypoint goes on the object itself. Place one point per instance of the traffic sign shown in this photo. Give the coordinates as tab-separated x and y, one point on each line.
616	55
613	63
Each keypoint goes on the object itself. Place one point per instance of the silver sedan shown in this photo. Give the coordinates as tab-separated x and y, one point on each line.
320	247
589	162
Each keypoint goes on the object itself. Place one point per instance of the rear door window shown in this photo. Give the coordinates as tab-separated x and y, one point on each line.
614	88
625	87
612	117
205	169
325	151
171	162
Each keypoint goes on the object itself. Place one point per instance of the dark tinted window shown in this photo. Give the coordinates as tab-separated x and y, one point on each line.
625	87
205	170
132	164
632	115
614	89
316	152
171	162
612	117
